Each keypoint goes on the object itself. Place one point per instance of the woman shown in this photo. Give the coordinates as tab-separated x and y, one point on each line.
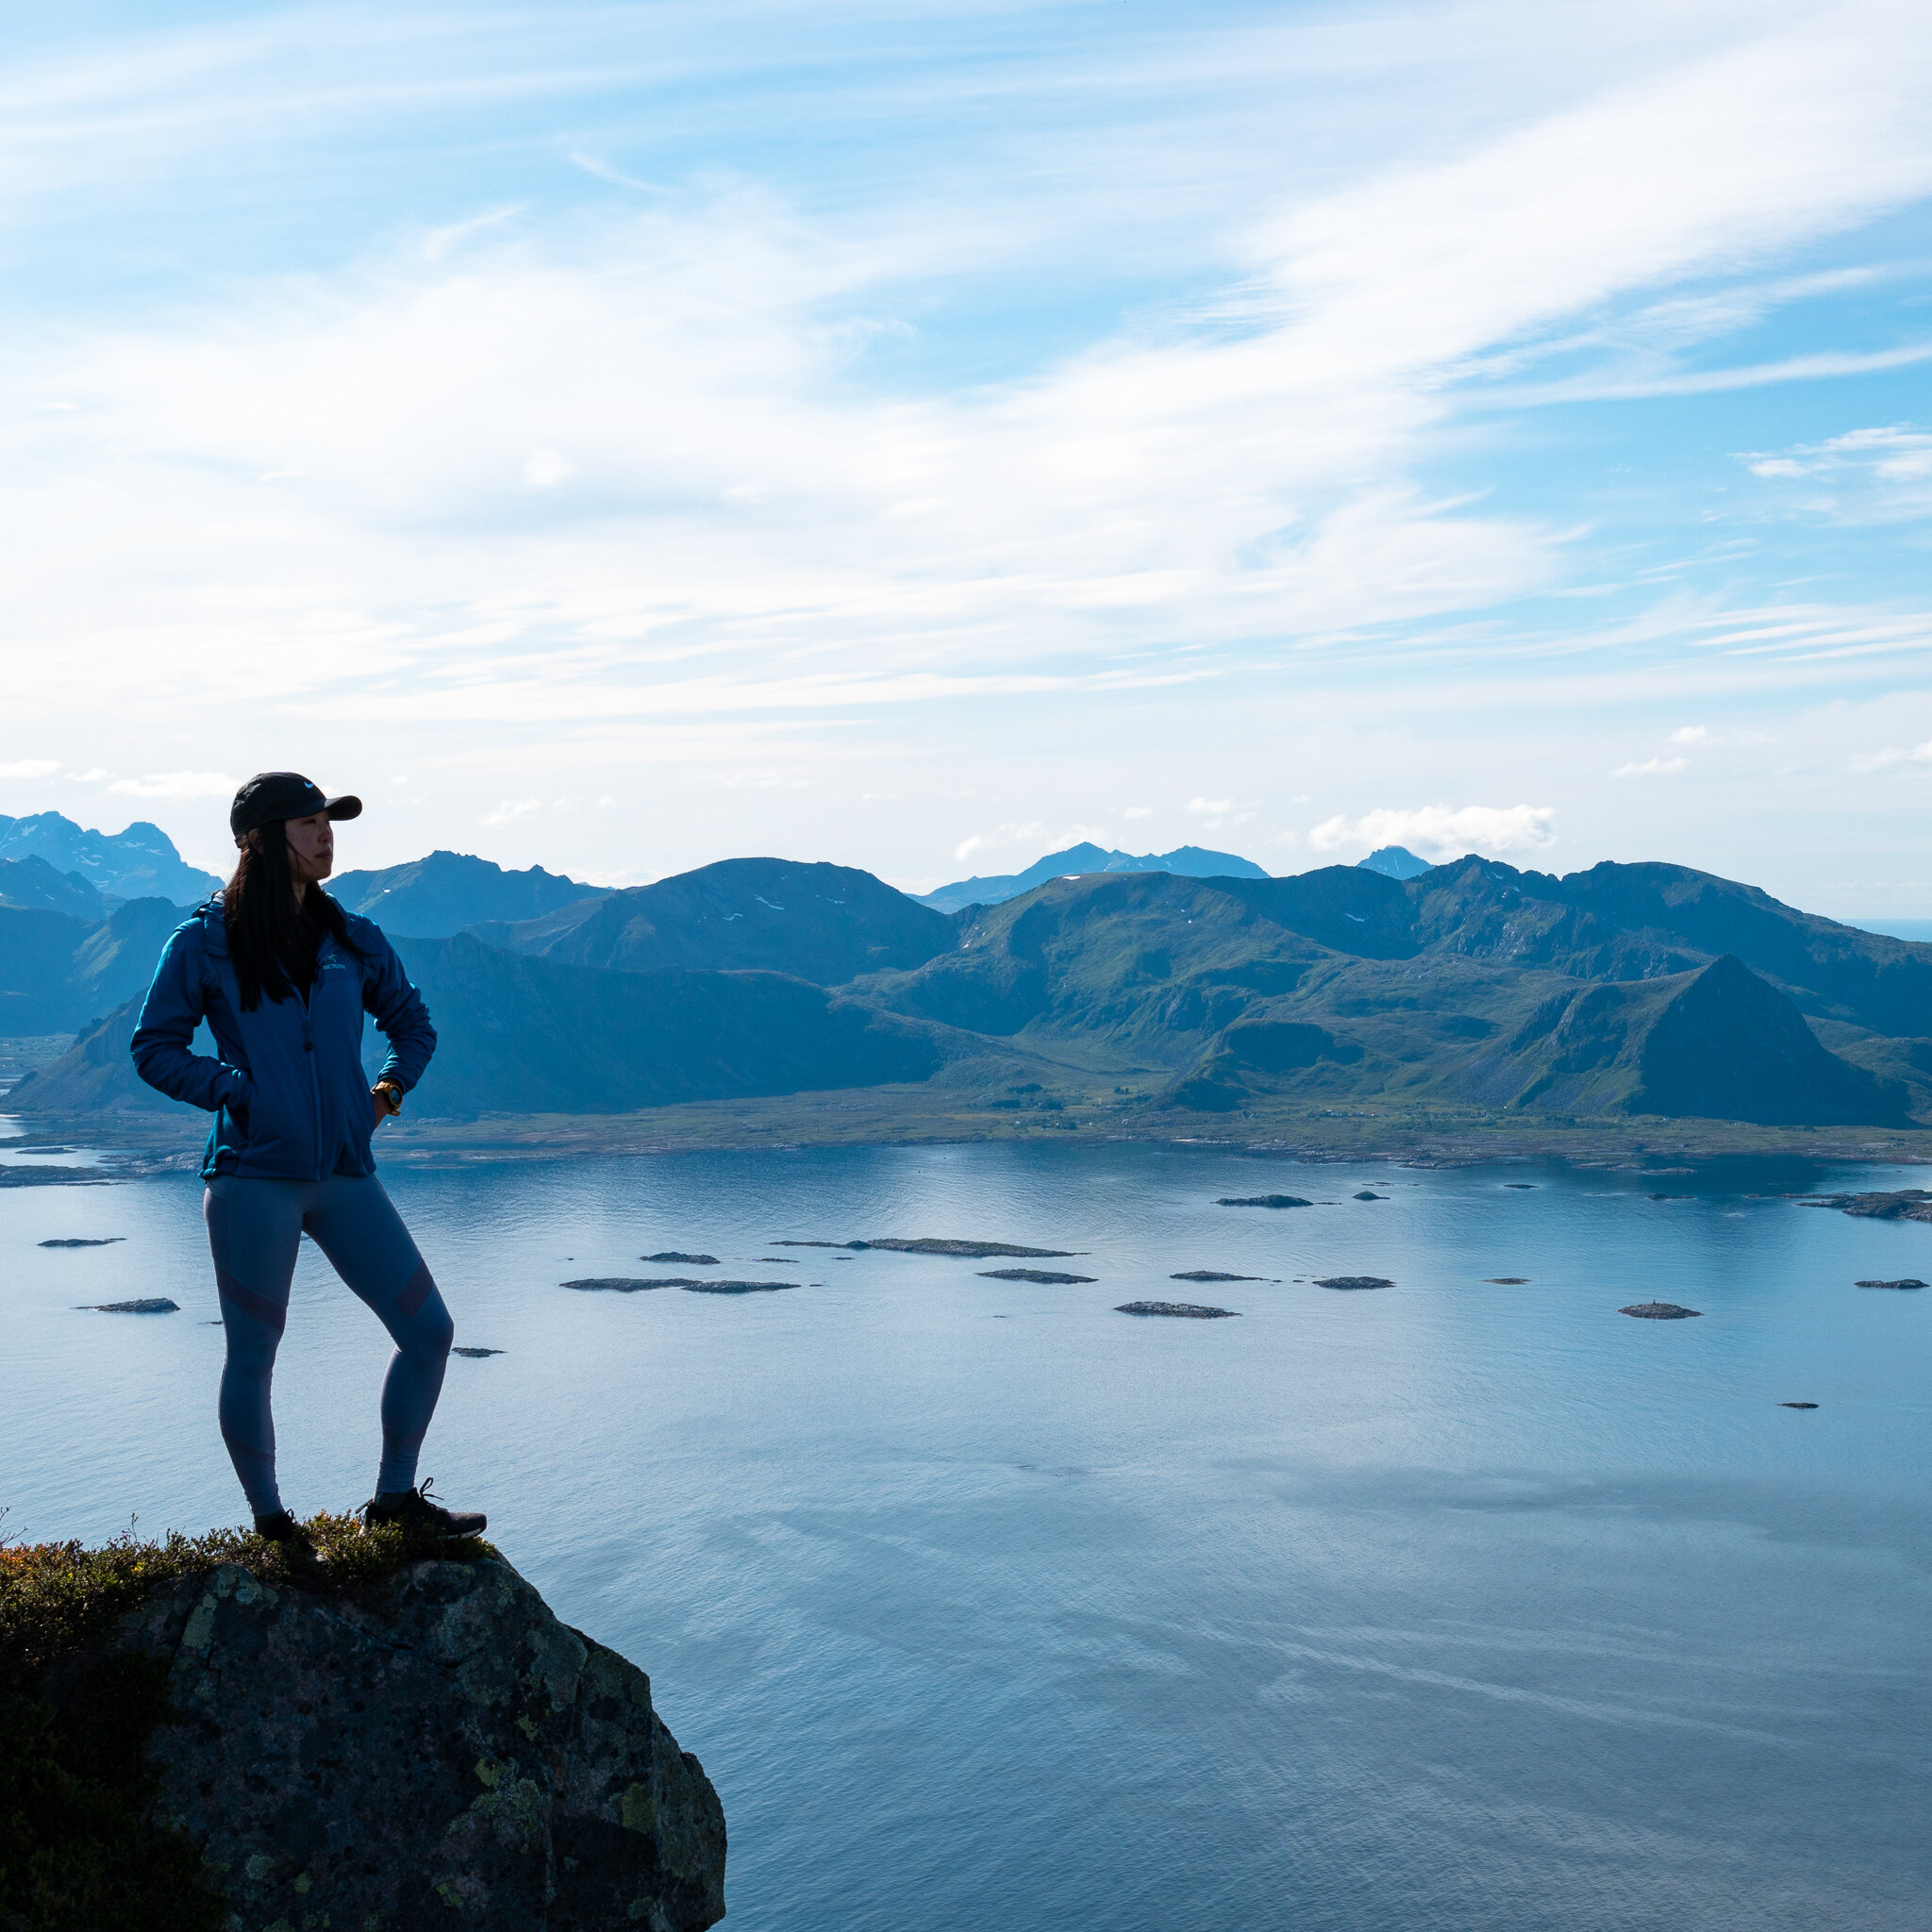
283	976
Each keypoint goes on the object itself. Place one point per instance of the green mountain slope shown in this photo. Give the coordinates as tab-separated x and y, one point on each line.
38	994
57	972
532	1036
823	923
1604	993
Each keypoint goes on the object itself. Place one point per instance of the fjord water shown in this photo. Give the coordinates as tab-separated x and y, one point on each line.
1447	1606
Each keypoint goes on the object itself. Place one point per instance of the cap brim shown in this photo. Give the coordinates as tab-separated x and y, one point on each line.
347	806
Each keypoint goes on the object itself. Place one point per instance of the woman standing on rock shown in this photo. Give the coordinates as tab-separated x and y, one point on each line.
283	977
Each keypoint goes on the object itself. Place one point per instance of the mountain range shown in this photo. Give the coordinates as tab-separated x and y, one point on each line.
434	898
1395	862
1617	991
140	863
1195	861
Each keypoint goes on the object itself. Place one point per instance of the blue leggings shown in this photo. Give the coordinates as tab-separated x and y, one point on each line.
254	1229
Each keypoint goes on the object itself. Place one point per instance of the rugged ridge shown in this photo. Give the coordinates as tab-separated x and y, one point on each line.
828	923
435	1746
1195	862
1624	990
434	898
137	863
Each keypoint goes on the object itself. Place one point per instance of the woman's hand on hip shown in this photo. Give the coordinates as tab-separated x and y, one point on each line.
384	1101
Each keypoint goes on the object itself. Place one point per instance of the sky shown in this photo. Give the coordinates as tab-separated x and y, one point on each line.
922	436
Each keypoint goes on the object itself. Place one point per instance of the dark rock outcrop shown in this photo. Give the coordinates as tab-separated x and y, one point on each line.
433	1748
149	1305
1262	1201
1355	1281
967	1251
623	1284
1905	1281
1907	1204
672	1255
1660	1311
1187	1310
1047	1276
74	1241
1213	1274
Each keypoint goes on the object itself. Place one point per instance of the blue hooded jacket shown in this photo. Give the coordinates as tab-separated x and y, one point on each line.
288	1095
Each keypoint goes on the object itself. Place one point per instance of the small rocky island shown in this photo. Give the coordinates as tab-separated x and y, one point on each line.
1355	1281
1660	1311
148	1304
1192	1311
1045	1276
931	1245
409	1738
1906	1203
626	1284
1262	1201
1903	1281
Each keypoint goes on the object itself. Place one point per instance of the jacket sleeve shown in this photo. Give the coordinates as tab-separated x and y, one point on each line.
399	1010
164	1034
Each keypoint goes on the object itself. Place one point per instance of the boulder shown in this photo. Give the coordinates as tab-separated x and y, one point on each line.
430	1747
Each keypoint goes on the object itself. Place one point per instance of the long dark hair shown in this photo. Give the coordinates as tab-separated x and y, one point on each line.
272	936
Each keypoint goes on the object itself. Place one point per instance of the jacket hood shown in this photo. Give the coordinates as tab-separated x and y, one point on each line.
206	921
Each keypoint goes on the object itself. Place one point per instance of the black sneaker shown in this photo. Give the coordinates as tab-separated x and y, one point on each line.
293	1541
416	1509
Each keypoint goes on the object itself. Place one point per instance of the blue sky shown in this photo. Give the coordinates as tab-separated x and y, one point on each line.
623	436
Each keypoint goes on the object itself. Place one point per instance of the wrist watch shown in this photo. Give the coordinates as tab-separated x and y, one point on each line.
391	1095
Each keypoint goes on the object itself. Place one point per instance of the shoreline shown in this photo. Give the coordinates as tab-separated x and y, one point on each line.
133	1144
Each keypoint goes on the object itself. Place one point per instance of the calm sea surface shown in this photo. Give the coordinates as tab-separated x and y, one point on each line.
1449	1605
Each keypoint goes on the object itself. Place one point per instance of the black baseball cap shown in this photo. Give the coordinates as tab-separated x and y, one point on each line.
270	796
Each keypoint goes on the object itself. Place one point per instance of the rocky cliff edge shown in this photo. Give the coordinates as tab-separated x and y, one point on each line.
430	1748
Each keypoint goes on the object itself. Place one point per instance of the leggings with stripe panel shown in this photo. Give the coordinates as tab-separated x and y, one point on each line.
255	1228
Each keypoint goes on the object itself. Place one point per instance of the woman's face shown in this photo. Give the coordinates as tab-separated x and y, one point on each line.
311	848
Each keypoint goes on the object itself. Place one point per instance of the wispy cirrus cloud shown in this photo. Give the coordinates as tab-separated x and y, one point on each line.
633	447
176	785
